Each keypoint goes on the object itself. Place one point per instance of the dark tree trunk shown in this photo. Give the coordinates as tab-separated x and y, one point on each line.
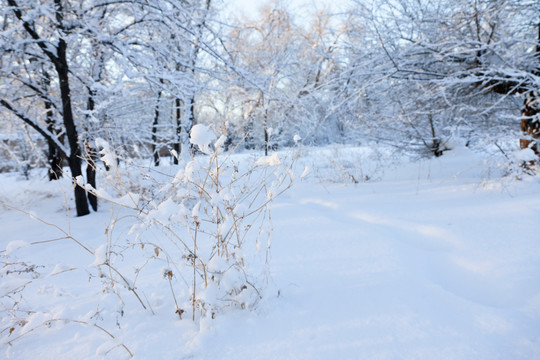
155	149
530	113
530	122
191	120
91	154
264	123
74	160
436	142
183	124
91	174
91	178
177	145
266	135
54	156
81	202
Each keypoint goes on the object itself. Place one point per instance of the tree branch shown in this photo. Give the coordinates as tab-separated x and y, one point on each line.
32	32
42	131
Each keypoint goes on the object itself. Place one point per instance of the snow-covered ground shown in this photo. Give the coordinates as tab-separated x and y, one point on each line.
437	259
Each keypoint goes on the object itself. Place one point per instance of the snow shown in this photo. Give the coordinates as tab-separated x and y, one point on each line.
525	155
107	155
100	255
15	245
202	136
270	160
435	260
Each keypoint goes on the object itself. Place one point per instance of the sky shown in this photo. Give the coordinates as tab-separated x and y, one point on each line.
249	8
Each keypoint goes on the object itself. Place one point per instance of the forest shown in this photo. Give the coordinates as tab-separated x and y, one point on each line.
139	75
170	140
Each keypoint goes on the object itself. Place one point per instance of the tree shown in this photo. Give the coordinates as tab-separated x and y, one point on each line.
43	39
70	57
276	79
185	109
463	55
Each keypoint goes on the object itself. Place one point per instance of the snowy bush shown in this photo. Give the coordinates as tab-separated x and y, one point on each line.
213	224
347	164
192	244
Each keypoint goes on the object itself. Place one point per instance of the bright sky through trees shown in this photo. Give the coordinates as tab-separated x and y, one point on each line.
249	8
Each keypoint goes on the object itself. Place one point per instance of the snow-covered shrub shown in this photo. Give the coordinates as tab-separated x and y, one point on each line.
215	213
347	164
207	226
517	164
189	241
21	153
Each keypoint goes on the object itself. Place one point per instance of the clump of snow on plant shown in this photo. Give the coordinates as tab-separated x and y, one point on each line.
271	160
525	155
107	155
15	245
202	136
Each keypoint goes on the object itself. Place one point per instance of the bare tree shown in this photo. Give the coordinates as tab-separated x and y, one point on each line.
467	58
46	38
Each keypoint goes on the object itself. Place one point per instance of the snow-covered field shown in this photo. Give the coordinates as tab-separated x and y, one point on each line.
438	259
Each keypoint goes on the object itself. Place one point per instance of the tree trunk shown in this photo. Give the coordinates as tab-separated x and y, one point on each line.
191	120
155	149
54	157
177	145
91	154
75	163
530	113
435	141
186	123
91	157
530	122
91	179
266	135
